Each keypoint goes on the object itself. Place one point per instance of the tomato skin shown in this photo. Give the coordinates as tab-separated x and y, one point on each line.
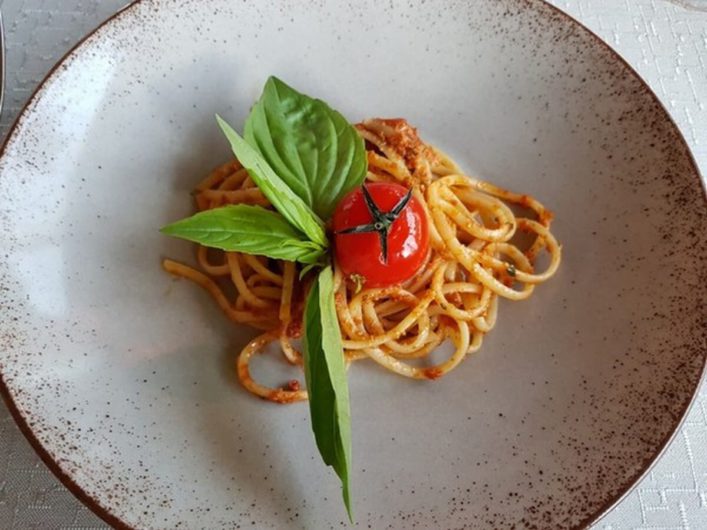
361	254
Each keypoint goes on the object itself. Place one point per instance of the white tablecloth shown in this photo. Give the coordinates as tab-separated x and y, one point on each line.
666	43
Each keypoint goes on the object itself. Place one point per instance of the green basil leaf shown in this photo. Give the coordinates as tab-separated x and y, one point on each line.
278	193
248	229
312	147
325	373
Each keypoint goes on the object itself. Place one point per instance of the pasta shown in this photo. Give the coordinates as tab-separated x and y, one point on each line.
480	250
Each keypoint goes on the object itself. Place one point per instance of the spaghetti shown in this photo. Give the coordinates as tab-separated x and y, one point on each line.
475	258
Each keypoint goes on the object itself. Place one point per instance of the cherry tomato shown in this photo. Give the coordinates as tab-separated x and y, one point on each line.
358	239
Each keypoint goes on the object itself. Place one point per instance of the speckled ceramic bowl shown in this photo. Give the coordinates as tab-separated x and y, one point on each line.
123	379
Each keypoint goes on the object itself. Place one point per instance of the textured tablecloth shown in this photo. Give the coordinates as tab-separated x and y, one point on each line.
666	43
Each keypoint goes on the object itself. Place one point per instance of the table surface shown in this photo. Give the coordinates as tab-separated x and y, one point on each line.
666	43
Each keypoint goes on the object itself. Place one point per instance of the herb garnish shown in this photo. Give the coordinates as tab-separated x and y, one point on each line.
248	229
310	146
304	157
325	373
274	188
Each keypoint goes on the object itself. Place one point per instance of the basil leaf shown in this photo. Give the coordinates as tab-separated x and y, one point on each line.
325	373
312	147
278	193
248	229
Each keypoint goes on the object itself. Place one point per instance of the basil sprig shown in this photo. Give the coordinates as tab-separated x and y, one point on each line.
325	373
274	188
248	229
308	144
304	156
